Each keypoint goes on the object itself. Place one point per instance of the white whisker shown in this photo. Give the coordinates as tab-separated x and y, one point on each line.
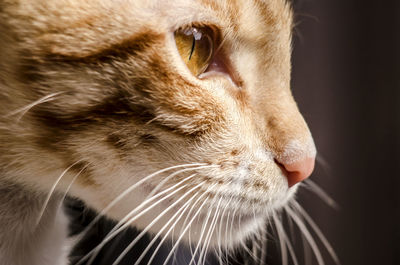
264	243
165	180
231	227
258	243
123	224
243	244
144	231
167	233
282	241
184	231
312	186
220	229
139	207
307	250
211	231
119	227
285	238
317	231
22	111
256	246
201	234
247	250
70	185
129	190
226	235
322	161
52	191
307	235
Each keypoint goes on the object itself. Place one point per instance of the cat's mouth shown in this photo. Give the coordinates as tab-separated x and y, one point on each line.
223	198
238	187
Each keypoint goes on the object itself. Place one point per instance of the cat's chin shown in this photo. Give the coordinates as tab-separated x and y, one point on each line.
215	226
230	229
214	231
226	232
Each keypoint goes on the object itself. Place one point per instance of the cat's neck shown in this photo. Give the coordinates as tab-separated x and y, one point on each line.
22	240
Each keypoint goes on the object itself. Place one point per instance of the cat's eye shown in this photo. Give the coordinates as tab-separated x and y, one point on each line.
196	47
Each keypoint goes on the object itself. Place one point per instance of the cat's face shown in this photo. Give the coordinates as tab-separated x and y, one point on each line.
120	103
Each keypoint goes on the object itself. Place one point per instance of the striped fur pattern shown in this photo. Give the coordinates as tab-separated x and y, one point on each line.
95	99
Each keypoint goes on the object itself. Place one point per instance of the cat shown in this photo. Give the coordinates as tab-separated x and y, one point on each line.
158	114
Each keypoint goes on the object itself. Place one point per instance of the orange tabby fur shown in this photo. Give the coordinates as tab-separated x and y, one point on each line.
119	104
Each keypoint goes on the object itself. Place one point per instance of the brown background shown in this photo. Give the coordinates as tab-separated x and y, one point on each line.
346	79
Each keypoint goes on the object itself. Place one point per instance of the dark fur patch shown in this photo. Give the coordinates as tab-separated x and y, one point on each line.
234	152
56	126
133	46
85	175
148	138
28	72
116	141
119	141
113	108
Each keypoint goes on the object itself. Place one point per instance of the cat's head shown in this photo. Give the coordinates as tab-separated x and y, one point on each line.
114	91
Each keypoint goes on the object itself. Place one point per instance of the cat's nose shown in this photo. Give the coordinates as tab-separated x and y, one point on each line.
299	170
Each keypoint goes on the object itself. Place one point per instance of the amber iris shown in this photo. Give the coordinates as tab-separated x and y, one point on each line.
195	45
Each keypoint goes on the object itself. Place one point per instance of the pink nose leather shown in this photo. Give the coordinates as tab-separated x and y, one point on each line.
299	171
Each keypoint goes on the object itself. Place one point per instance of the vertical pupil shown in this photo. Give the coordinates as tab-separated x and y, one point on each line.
193	46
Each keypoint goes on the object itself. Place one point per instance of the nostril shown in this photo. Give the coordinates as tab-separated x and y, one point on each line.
297	171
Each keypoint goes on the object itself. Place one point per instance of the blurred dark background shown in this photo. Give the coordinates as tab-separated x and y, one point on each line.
346	80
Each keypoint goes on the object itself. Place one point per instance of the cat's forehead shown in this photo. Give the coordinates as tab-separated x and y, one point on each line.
81	27
242	15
